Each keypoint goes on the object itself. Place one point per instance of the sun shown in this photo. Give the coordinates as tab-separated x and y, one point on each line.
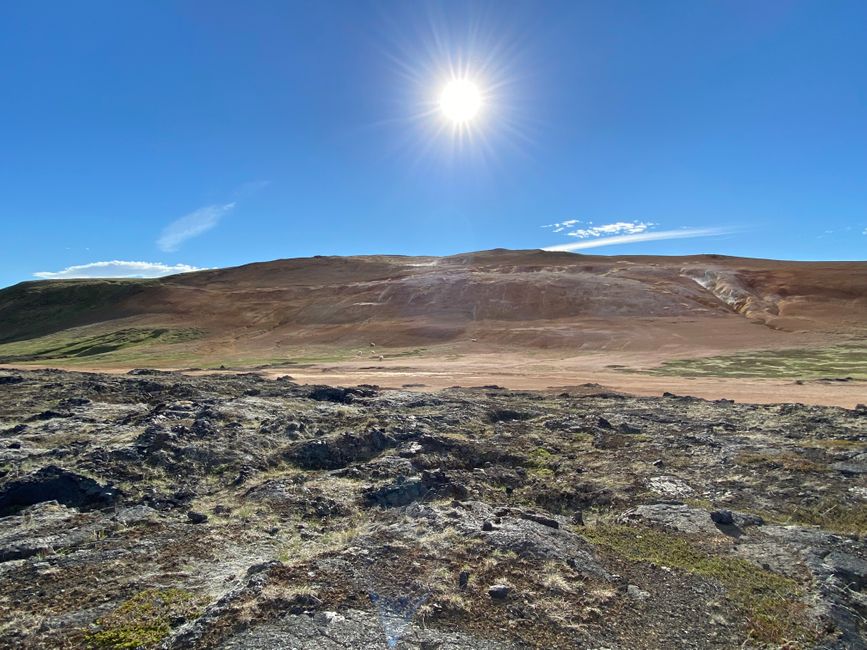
460	101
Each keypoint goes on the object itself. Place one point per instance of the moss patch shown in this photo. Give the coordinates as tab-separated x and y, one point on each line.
540	461
834	362
770	601
144	620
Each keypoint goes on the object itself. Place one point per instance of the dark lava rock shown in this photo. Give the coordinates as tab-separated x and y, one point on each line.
406	490
12	431
339	395
743	519
507	415
52	483
723	517
10	379
401	493
338	451
499	592
197	517
74	401
48	415
540	519
851	569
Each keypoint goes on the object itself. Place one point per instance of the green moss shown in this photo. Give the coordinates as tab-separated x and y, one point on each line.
797	363
540	456
144	620
770	601
540	460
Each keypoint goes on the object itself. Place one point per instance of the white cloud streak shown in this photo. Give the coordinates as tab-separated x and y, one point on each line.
117	269
192	225
683	233
619	228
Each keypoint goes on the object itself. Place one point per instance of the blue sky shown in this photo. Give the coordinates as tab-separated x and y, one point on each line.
202	134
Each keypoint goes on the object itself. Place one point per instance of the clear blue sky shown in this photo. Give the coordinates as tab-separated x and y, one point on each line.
217	133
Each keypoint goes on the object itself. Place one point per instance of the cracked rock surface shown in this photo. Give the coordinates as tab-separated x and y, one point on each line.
160	510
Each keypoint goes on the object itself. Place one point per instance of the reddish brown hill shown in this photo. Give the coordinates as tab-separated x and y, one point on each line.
526	298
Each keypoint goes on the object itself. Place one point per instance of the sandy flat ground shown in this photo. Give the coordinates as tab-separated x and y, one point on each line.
516	372
541	372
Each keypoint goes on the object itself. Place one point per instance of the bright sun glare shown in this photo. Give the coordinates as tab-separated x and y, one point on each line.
460	101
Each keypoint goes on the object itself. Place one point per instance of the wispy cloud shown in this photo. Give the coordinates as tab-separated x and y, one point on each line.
117	269
683	233
561	226
618	228
608	229
192	225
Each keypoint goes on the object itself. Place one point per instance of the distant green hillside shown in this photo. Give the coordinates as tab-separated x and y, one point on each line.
32	309
85	343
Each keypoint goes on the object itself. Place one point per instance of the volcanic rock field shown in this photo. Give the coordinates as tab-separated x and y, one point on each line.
160	510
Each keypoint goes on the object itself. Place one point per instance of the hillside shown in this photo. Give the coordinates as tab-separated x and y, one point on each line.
530	296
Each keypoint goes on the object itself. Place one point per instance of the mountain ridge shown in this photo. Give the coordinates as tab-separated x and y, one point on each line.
529	299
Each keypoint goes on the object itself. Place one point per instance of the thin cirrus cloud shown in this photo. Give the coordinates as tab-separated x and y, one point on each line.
682	233
117	269
192	225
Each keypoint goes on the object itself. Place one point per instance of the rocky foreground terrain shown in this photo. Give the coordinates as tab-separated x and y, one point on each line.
229	511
